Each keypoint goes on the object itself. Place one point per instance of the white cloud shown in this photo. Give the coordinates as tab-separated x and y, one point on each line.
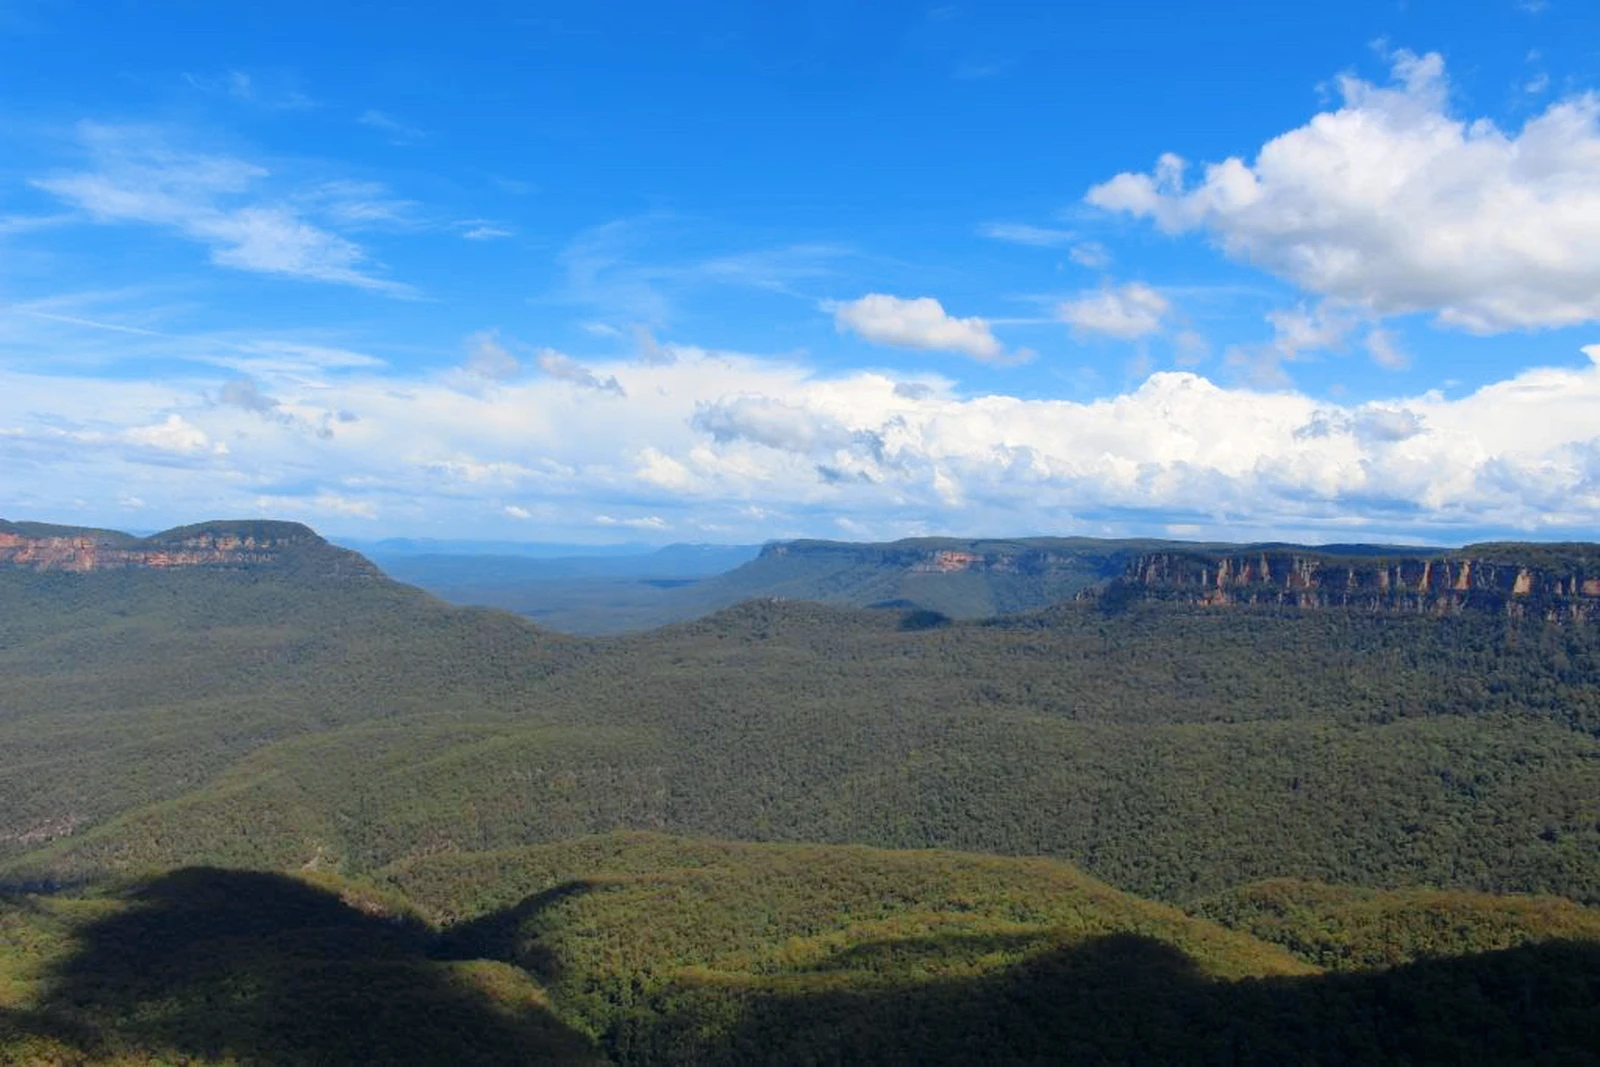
767	447
1393	204
272	94
1130	312
1091	254
1023	234
278	357
487	358
1384	348
518	513
361	205
919	323
1299	330
478	230
650	350
400	133
1190	348
322	506
138	178
767	421
175	434
647	522
564	368
626	270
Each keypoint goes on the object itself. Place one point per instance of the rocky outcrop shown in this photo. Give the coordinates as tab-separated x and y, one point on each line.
1559	583
214	546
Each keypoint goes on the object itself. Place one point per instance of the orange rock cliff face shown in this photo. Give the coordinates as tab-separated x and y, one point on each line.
1566	591
226	546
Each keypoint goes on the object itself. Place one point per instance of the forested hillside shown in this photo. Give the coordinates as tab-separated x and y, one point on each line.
273	718
636	948
482	809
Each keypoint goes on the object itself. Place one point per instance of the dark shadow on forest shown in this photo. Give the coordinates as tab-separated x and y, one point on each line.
495	936
265	968
1127	999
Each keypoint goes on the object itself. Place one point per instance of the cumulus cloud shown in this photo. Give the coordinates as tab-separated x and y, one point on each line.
174	434
1394	204
920	323
768	447
1388	424
767	421
1128	312
564	368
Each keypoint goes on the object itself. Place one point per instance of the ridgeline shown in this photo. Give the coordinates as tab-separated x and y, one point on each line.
457	806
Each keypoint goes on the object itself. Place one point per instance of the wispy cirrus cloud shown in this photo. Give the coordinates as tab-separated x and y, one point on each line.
10	224
399	133
137	176
1023	233
622	269
271	93
483	230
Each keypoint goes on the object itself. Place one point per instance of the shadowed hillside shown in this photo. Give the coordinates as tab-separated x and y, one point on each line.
643	949
1131	999
250	967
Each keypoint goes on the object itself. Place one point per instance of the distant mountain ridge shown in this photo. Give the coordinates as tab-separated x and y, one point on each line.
965	578
223	544
1557	582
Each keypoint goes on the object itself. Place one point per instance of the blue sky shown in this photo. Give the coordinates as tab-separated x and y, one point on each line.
722	272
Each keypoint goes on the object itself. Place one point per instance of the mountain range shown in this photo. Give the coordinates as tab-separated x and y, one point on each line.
1273	791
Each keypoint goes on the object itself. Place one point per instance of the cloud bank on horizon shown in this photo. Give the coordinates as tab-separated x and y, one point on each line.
1377	323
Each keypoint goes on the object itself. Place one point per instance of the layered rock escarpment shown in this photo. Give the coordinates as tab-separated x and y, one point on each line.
1556	582
243	545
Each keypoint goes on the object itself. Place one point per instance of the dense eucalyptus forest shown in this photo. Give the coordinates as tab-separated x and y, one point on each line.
287	809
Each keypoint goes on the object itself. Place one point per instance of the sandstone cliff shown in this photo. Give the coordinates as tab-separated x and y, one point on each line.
1557	582
237	545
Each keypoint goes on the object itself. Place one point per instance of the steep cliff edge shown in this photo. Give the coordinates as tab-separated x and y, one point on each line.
223	545
1560	583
